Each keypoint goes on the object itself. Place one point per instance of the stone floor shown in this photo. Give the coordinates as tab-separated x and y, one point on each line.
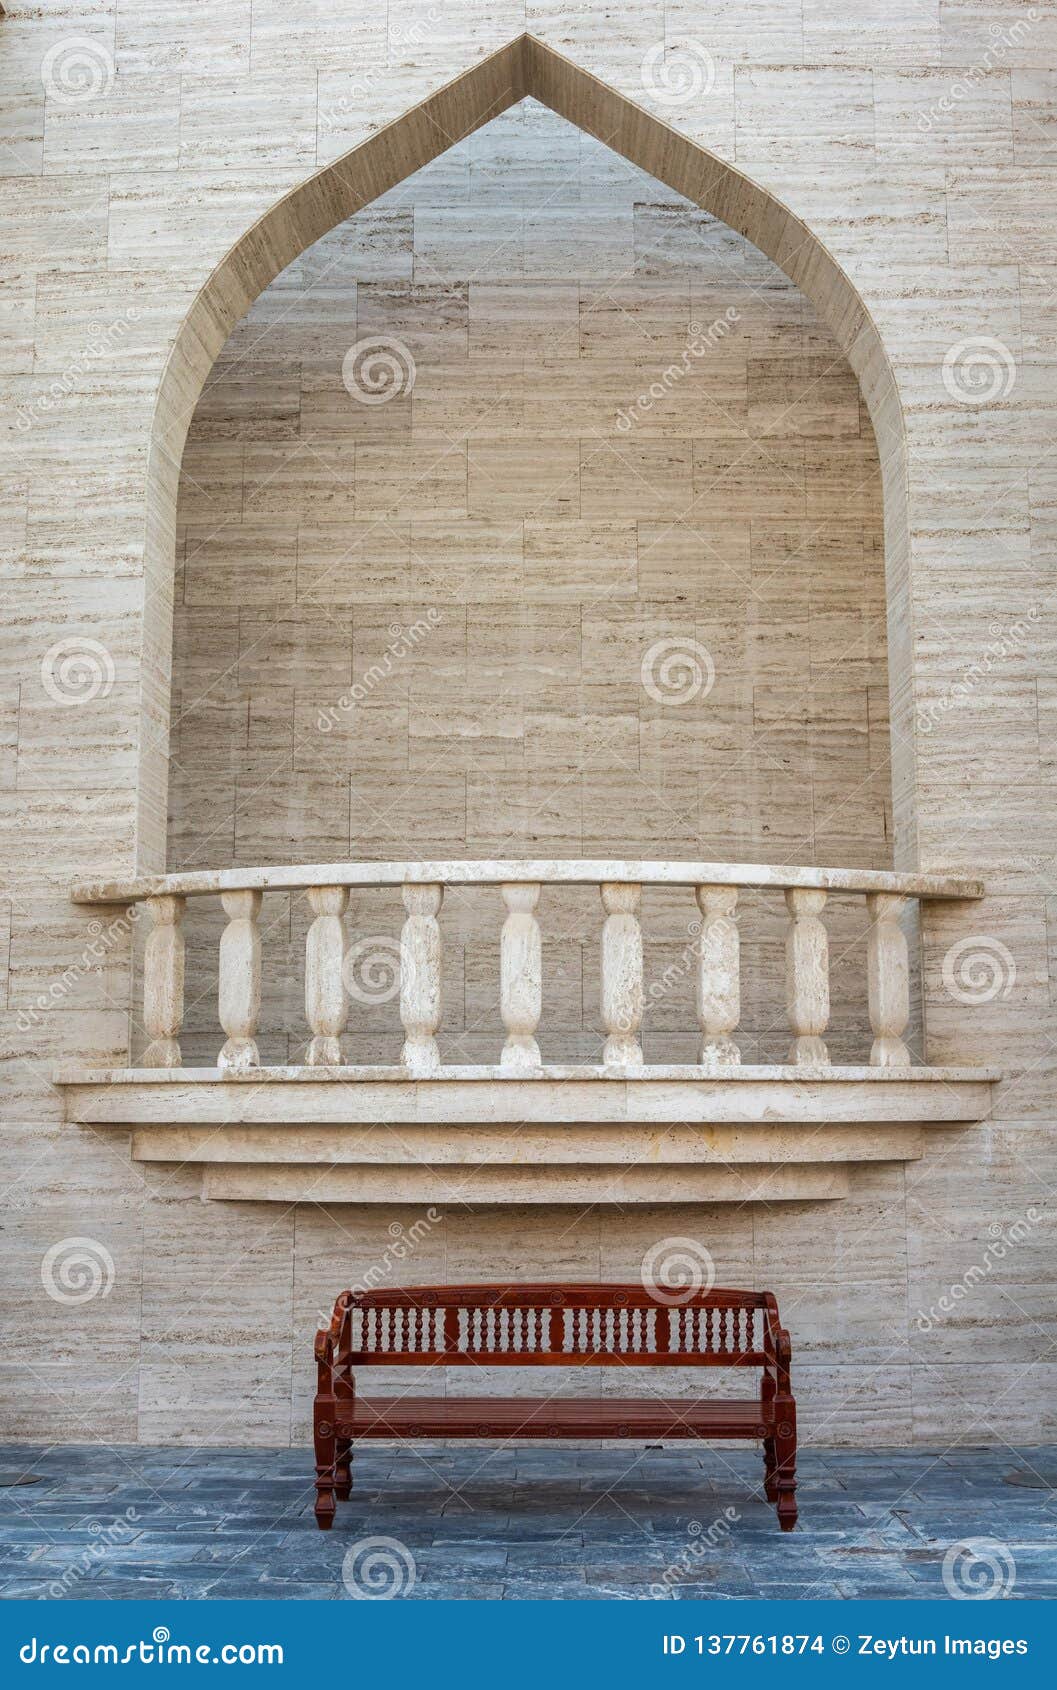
522	1522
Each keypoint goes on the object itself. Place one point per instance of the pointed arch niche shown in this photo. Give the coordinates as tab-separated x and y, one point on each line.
525	67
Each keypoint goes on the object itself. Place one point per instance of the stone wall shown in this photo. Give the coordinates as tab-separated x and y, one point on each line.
524	606
120	198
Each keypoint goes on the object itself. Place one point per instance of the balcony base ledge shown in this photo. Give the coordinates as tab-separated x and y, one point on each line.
564	1135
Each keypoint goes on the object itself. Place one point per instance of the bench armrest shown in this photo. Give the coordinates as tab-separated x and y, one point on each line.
332	1341
777	1345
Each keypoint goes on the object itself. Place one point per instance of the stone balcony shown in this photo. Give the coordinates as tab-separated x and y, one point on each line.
522	1131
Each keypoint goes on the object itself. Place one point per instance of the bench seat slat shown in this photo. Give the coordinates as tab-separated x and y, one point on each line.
469	1417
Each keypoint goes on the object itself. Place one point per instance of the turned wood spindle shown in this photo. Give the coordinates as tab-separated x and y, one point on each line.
622	992
420	978
888	979
807	975
326	1001
520	977
240	980
163	982
719	975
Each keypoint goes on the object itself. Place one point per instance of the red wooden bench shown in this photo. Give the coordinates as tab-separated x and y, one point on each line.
551	1326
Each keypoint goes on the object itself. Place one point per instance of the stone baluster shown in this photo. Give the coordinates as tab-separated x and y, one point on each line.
807	975
420	978
888	977
621	972
520	977
326	1003
163	982
240	980
718	975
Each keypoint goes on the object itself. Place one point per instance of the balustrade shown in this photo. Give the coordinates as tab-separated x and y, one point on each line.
520	983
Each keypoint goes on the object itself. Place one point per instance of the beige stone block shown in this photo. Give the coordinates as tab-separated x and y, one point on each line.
89	742
467	562
127	126
636	478
16	324
432	322
22	129
521	651
262	118
331	731
776	109
308	482
902	33
401	649
475	399
426	478
565	560
506	317
157	220
674	240
388	815
967	29
152	40
762	34
345	563
55	225
456	243
253	563
571	241
333	411
318	36
701	561
316	324
211	482
753	479
282	647
807	396
249	400
278	819
374	246
996	217
521	813
505	481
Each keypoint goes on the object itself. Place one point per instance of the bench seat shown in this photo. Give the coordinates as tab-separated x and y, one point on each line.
551	1417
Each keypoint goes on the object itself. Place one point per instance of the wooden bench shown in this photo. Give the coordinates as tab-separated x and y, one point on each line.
552	1326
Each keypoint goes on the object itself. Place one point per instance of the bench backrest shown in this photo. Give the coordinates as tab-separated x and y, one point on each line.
554	1325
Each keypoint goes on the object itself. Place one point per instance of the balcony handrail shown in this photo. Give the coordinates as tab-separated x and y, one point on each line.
717	958
547	871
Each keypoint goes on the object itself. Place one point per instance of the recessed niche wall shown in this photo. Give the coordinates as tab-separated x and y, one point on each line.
607	579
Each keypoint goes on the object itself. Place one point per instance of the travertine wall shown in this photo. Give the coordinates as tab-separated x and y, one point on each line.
917	145
512	609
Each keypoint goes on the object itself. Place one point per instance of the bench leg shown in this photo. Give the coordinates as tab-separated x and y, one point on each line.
326	1458
770	1465
785	1463
343	1469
